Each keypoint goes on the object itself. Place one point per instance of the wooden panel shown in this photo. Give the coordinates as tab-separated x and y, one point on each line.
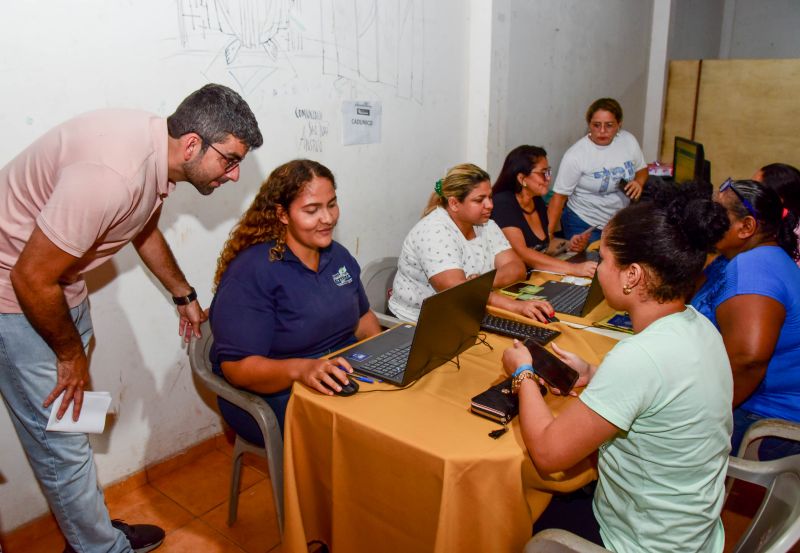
749	115
679	109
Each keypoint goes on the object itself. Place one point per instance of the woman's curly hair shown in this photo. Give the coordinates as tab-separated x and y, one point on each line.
260	222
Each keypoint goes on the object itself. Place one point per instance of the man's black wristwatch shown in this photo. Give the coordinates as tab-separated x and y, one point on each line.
185	300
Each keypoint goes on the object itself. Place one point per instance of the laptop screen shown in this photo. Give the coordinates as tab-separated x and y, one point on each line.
687	161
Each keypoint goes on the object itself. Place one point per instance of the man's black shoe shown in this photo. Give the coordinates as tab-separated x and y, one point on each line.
142	537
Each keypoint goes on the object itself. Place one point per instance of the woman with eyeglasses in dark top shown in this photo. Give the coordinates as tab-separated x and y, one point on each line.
521	213
752	295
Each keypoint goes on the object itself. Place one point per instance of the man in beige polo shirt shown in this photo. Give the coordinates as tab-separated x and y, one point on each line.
68	202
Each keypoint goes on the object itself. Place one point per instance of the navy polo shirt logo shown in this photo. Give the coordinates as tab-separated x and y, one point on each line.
342	277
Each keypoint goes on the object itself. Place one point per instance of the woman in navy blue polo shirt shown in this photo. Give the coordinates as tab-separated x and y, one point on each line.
287	294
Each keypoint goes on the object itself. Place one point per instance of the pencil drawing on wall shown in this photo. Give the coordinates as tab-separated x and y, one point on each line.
290	46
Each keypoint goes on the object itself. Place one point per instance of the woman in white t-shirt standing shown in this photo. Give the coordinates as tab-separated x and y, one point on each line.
456	240
599	175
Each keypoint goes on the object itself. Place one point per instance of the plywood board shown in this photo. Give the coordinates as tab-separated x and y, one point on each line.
679	110
749	115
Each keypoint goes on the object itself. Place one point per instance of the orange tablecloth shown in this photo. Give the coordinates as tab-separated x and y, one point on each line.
413	470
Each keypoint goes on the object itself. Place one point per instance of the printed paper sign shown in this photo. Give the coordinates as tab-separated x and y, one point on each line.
361	123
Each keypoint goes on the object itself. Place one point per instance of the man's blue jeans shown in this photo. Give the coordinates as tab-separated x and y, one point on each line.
62	462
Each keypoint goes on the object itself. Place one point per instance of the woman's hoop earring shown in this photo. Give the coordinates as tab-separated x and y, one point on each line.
627	290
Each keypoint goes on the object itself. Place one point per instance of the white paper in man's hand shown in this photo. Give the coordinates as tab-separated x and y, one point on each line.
93	414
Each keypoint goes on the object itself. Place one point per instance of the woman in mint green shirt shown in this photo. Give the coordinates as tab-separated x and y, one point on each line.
658	407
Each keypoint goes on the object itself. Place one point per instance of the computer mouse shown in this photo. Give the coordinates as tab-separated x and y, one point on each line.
552	318
347	389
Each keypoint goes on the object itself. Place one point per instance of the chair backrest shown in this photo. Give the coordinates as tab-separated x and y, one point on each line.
776	526
378	278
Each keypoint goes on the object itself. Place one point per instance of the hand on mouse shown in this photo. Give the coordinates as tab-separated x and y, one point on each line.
541	311
332	372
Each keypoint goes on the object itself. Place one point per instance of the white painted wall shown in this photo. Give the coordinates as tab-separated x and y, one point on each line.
760	29
657	74
563	55
734	29
58	59
696	29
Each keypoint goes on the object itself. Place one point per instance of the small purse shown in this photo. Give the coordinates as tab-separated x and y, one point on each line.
497	403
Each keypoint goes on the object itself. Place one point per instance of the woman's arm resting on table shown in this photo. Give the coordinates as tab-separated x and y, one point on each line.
265	376
533	309
750	325
542	261
510	268
556	444
554	210
368	325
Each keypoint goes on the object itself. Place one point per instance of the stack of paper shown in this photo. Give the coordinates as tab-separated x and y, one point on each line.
92	419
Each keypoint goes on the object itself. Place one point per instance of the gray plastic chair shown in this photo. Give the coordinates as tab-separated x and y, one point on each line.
377	276
199	349
774	529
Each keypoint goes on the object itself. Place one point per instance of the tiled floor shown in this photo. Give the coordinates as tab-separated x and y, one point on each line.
190	503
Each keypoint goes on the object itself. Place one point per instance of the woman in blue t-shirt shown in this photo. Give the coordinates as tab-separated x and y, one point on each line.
752	294
286	295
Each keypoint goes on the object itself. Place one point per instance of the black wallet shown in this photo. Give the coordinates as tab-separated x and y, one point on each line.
497	403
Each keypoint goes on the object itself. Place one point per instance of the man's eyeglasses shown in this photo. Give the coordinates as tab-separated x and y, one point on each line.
546	172
231	163
728	185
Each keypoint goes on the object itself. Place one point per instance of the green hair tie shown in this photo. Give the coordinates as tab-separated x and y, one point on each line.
438	188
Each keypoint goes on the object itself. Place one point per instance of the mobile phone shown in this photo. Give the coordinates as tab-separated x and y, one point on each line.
553	370
622	184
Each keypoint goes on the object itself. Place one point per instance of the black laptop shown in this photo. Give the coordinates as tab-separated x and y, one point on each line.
448	324
572	299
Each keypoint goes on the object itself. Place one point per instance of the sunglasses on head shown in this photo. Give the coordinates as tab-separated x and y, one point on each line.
729	185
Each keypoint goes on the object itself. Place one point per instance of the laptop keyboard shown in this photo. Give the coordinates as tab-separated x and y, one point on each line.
389	364
570	299
515	329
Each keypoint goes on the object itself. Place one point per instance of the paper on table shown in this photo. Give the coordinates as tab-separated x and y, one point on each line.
93	414
580	281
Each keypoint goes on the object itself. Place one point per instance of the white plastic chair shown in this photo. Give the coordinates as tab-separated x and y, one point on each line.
766	428
377	276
